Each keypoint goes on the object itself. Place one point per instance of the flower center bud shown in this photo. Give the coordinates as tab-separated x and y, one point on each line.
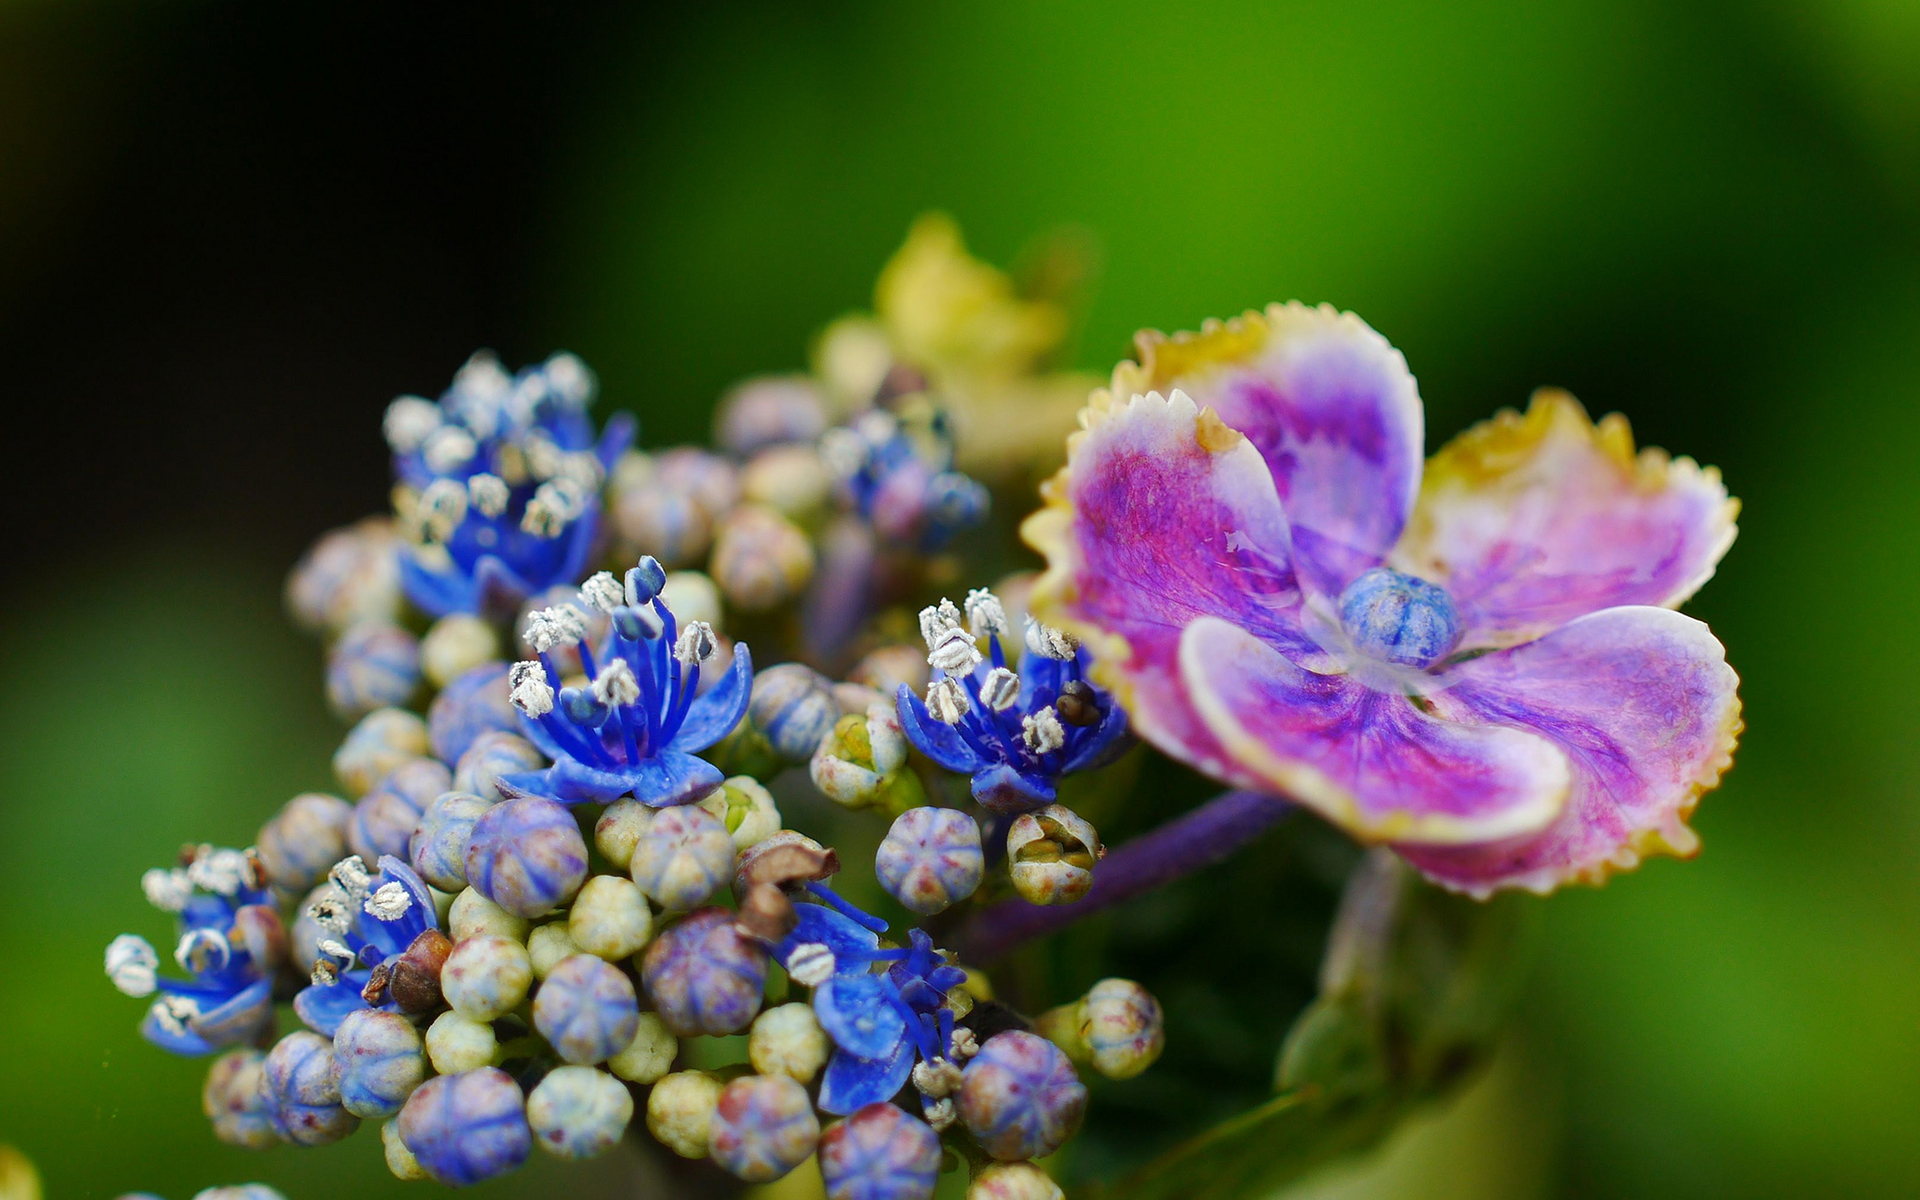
1398	618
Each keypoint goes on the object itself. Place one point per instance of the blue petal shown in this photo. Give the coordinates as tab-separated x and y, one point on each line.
672	778
858	1015
578	546
394	870
497	587
1002	789
186	1042
618	434
1109	741
238	1020
852	943
435	593
529	783
714	715
937	740
542	741
851	1083
323	1008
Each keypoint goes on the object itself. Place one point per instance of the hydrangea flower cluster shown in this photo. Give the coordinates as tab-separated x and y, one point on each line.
557	871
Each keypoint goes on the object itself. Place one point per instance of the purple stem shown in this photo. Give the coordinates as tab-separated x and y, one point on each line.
1188	843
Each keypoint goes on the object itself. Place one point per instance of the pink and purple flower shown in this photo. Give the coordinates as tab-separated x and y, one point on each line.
1477	661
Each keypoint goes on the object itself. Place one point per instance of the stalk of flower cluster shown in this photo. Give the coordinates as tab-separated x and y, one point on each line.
1190	842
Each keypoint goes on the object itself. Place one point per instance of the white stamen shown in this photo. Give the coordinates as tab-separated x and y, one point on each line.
544	458
811	964
1049	642
440	509
350	876
947	701
569	379
130	964
582	469
876	425
985	614
489	494
336	950
936	620
940	1114
603	592
329	912
964	1045
390	902
1000	690
218	870
696	644
563	624
325	974
482	377
528	688
202	950
616	685
937	1078
843	452
173	1012
410	420
1042	731
540	519
449	448
167	890
955	652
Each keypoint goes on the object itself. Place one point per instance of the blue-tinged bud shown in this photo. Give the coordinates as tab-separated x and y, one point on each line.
384	818
930	859
645	581
769	410
373	665
379	1061
348	576
438	848
579	1112
527	856
1020	1097
380	742
1013	1181
466	1128
684	856
793	707
879	1153
492	755
486	977
303	1098
955	500
473	704
1399	618
305	838
1122	1027
637	624
760	559
234	1101
763	1127
586	1010
703	976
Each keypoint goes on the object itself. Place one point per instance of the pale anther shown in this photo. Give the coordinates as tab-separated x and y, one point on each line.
615	686
130	965
409	422
696	644
1001	689
985	614
811	964
488	493
449	448
955	653
602	592
947	701
1042	731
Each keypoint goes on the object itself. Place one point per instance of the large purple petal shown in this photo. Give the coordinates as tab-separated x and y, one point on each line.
1329	404
850	1083
1371	761
1530	521
1645	707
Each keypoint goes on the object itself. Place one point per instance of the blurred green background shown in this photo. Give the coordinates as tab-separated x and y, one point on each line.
228	236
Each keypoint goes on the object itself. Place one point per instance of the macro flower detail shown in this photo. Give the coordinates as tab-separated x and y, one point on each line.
879	1153
231	941
1479	664
1020	1098
1014	734
500	483
380	945
468	1127
635	729
898	474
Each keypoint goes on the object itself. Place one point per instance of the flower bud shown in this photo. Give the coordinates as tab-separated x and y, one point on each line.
378	1062
302	1097
746	808
649	1055
889	668
578	1112
400	1160
793	708
456	1043
466	1128
858	763
473	915
373	665
475	702
790	480
586	1010
684	857
381	741
527	856
930	858
879	1153
680	1112
769	410
491	755
1020	1098
761	560
486	977
610	918
384	818
1050	855
234	1101
692	596
549	945
438	847
457	643
763	1127
1122	1028
788	1041
1014	1181
349	576
304	839
702	976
